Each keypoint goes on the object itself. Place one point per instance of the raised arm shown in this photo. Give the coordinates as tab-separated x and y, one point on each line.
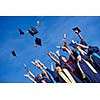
50	54
77	31
67	50
80	36
81	45
39	66
52	66
27	76
30	73
65	42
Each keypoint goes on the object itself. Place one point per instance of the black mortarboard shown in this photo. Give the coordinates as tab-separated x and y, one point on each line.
76	28
21	32
13	53
34	30
38	41
30	32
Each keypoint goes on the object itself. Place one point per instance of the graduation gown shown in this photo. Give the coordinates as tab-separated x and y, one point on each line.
56	76
95	54
73	73
90	76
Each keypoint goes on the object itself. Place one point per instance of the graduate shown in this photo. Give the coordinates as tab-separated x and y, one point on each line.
40	78
62	62
57	78
45	77
94	52
92	55
87	66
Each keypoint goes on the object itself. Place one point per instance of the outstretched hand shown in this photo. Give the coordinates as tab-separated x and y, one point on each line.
73	42
48	53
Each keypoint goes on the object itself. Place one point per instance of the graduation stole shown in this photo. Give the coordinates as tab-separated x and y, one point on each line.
66	76
83	74
69	75
90	66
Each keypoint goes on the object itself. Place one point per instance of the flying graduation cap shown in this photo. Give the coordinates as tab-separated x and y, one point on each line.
33	31
13	52
21	32
38	22
76	30
38	41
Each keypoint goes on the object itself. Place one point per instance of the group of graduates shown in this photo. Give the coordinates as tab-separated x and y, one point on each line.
82	65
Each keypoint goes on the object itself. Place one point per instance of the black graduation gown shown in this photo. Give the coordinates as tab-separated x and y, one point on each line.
91	51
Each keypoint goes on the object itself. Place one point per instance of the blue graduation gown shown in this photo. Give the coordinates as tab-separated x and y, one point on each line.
95	52
56	76
93	77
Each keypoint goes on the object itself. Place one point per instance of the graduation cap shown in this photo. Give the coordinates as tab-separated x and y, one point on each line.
21	32
13	53
30	32
34	30
38	41
76	30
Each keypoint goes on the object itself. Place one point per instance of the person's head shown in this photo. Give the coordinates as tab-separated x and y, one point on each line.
40	76
58	69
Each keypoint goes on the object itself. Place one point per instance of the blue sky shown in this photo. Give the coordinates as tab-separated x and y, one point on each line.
51	32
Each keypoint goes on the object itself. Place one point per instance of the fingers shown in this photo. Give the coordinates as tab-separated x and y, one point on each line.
58	47
64	36
25	65
26	75
33	62
48	53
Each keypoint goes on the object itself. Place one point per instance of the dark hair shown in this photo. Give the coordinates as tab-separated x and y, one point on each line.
43	74
57	65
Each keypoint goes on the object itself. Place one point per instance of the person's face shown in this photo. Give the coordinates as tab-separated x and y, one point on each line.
40	76
58	69
64	59
78	48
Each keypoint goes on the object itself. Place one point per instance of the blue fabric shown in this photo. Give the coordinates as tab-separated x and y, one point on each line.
93	49
92	77
56	76
51	77
78	52
95	54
